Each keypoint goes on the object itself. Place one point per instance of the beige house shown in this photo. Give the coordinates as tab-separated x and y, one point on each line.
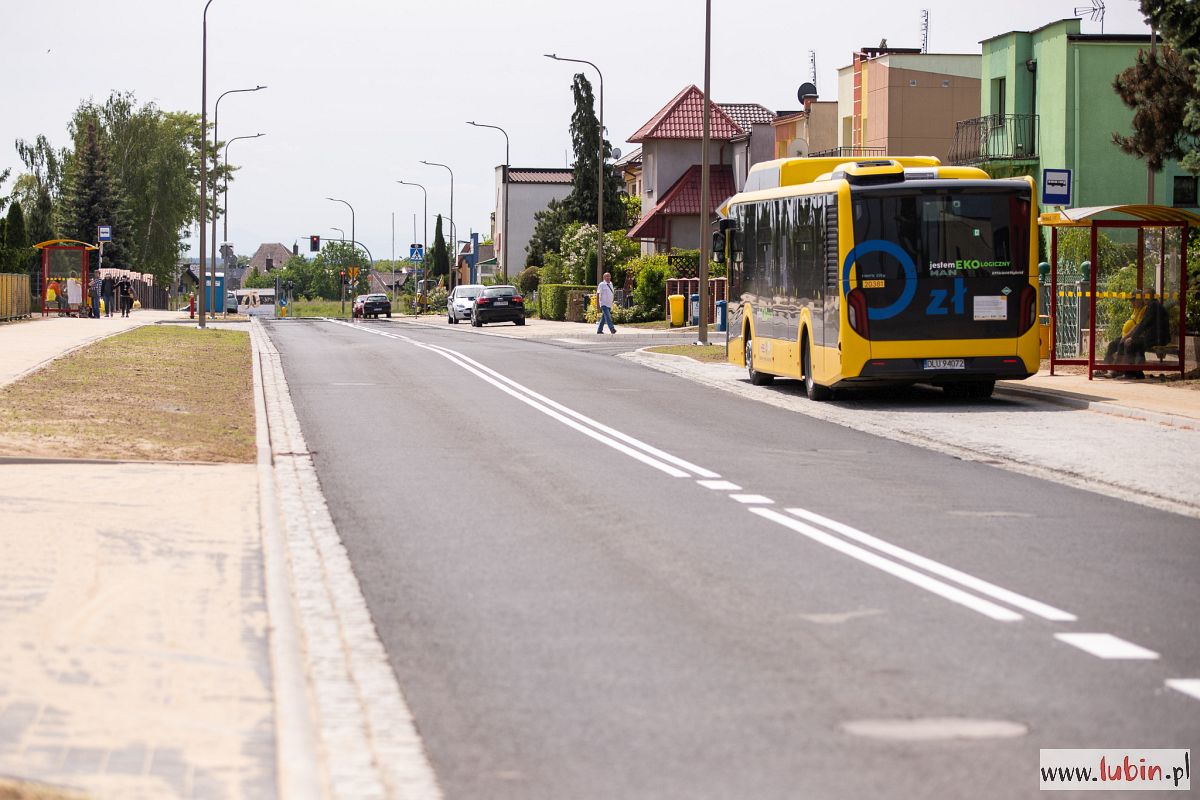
902	102
807	132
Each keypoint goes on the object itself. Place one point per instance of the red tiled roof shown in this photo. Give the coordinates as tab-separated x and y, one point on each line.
540	175
683	199
683	118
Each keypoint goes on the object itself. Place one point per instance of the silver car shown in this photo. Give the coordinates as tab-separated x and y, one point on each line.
460	302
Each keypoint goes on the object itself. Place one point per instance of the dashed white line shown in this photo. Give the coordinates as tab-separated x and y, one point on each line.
1107	646
720	486
1189	686
752	499
937	568
945	590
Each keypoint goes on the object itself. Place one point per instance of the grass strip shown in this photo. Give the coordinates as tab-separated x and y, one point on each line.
708	353
158	392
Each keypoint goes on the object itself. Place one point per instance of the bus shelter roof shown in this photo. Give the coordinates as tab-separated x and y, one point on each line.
65	243
1151	215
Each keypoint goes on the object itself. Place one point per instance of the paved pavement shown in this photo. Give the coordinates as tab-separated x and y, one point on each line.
133	629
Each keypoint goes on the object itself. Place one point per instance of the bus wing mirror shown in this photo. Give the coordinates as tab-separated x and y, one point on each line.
718	247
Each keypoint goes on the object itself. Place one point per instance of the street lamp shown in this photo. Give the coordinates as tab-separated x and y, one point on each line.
599	169
203	153
425	224
339	230
504	232
226	195
216	126
449	277
705	200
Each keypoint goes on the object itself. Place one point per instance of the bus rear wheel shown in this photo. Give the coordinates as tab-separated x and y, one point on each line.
814	390
756	378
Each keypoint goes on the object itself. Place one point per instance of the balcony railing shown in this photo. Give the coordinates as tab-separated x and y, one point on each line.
999	137
850	152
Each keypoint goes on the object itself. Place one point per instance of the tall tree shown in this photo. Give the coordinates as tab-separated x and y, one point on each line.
585	140
1179	23
16	255
39	188
91	199
440	261
1157	87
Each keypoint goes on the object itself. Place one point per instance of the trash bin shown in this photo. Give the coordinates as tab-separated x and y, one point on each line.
721	315
695	309
675	306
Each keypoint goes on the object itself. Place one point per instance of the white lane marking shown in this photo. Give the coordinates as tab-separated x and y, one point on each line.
720	486
600	426
351	384
599	437
470	364
937	568
1105	645
752	499
1189	686
951	593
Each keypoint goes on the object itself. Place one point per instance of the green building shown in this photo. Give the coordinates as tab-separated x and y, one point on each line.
1047	102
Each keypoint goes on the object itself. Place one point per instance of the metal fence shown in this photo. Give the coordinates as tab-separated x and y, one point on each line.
14	297
850	152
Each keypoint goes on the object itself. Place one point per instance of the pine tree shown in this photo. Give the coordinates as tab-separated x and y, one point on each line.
16	255
1179	23
585	135
91	198
1157	87
441	255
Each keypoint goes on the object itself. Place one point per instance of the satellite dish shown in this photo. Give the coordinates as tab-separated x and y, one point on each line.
806	91
616	153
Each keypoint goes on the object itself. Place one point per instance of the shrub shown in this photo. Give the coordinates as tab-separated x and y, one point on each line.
553	270
651	289
552	299
437	300
528	280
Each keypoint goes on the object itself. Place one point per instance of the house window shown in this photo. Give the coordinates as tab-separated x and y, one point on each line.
999	92
1184	191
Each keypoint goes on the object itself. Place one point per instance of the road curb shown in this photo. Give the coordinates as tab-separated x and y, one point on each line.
1100	406
364	739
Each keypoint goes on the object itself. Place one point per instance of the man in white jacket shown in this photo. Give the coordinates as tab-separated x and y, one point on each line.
604	298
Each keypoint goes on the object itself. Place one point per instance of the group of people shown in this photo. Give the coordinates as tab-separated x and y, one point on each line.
1147	326
108	289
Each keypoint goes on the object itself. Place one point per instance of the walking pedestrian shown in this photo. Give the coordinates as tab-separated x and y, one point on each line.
604	298
125	293
106	293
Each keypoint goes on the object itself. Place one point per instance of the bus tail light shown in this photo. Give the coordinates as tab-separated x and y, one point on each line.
856	310
1028	302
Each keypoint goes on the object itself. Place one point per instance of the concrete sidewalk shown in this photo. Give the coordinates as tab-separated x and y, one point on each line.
133	623
1144	399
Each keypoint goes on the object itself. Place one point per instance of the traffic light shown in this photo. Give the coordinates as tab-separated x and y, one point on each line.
343	274
314	244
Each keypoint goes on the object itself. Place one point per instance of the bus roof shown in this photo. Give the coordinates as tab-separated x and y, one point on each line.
778	178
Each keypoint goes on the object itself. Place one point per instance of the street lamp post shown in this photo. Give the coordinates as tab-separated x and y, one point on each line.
203	153
450	277
599	169
425	225
504	231
705	200
352	240
225	194
216	128
339	230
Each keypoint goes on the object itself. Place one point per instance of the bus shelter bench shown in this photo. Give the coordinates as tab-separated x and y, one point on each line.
1162	351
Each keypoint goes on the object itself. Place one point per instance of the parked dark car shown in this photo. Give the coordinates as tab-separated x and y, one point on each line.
498	304
372	305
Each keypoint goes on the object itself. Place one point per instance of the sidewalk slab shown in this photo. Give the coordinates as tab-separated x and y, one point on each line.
1145	399
133	630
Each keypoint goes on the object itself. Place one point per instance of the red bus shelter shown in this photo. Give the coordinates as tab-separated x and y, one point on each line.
65	268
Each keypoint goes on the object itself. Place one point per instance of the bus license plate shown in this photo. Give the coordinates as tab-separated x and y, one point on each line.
945	363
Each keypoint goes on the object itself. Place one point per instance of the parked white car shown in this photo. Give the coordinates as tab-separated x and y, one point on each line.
460	302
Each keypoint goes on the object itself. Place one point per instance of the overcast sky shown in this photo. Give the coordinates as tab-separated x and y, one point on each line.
361	90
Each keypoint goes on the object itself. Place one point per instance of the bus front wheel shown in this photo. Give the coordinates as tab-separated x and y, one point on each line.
756	378
814	390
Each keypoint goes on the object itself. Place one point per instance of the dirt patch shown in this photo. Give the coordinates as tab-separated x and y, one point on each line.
156	393
708	353
19	790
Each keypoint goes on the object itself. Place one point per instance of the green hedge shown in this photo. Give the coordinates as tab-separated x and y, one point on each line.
552	299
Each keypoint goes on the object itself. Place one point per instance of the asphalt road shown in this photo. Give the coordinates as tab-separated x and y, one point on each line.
572	615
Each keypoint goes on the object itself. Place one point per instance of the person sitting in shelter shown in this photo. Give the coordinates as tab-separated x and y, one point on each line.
1146	327
55	294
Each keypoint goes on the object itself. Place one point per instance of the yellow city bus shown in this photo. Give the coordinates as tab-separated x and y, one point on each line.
887	271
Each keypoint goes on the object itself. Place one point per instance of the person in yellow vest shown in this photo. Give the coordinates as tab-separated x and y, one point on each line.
1146	327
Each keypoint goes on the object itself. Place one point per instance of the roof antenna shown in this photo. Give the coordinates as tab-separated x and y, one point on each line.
1095	12
924	30
812	67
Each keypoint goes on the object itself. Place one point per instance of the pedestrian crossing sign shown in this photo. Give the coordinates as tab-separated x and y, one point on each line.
416	252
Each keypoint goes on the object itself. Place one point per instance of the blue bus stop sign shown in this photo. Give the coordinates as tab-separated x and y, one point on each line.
1056	187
